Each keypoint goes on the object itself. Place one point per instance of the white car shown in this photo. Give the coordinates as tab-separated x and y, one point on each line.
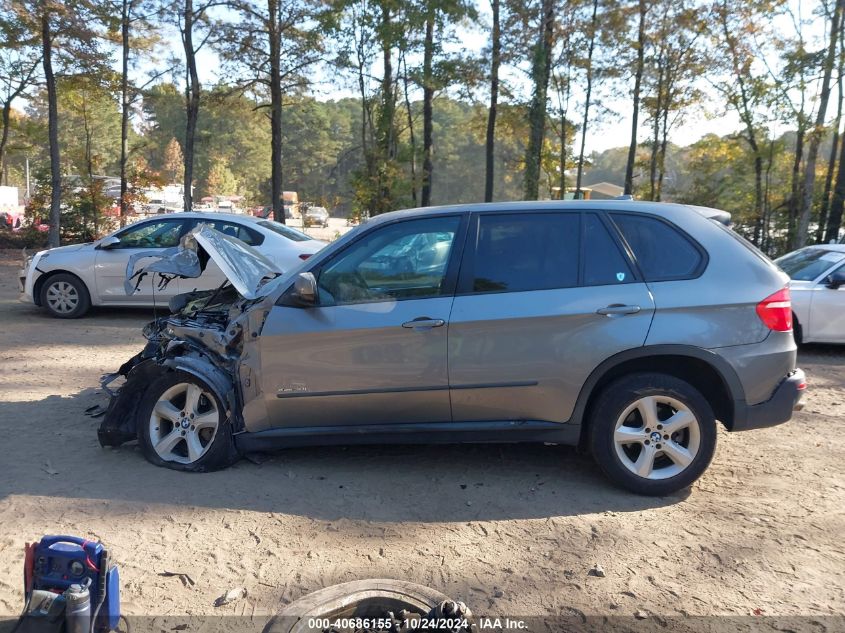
818	292
68	280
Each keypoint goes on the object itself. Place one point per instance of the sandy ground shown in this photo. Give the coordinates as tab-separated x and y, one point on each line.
509	529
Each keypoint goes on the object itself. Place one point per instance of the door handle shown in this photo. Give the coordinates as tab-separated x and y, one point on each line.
618	309
423	322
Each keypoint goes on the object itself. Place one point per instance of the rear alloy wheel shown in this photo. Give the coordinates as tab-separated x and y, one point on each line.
183	425
653	433
657	437
65	296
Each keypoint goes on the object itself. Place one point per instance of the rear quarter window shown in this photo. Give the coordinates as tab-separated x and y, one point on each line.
662	251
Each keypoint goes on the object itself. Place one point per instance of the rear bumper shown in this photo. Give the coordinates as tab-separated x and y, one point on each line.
788	397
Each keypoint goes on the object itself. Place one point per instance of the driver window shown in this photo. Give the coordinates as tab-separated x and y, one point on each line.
406	260
162	234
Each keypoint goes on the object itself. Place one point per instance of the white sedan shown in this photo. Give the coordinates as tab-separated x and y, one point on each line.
818	292
68	280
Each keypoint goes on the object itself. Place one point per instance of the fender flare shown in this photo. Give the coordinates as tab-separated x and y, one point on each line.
219	380
722	368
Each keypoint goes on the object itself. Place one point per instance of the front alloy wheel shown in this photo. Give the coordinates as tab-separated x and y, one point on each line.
653	434
183	424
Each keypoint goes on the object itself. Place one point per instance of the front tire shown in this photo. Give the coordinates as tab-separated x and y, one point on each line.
182	425
65	296
653	434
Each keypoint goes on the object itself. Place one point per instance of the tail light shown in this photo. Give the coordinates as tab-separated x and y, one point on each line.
305	256
775	311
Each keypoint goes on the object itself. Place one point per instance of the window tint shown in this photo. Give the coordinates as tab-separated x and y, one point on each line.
603	261
284	231
406	260
528	251
253	238
161	234
662	252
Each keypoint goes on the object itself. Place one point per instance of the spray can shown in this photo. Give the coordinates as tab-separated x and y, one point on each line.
78	609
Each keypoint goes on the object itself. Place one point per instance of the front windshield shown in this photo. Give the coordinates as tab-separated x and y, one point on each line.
808	263
284	231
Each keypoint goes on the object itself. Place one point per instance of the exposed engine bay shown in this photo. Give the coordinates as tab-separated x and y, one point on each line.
211	334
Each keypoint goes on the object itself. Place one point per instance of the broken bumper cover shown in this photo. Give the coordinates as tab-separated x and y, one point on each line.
119	423
788	397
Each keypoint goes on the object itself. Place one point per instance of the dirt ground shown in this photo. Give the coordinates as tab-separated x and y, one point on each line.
509	529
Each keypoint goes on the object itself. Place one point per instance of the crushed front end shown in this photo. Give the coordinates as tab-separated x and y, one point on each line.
211	334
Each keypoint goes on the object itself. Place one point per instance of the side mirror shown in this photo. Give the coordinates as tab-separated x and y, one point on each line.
108	242
833	281
303	293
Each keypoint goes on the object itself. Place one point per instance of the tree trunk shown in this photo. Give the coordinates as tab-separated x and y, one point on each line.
276	183
89	167
816	134
411	136
664	143
834	220
828	181
124	108
587	97
382	194
52	131
834	149
655	138
4	139
765	242
192	102
795	192
428	106
638	77
489	147
540	71
563	111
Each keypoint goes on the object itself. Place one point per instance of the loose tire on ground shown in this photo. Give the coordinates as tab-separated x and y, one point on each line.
652	417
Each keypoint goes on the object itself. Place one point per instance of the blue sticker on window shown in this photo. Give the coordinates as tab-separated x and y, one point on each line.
620	276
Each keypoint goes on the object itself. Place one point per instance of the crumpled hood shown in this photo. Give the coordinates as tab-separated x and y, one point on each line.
245	268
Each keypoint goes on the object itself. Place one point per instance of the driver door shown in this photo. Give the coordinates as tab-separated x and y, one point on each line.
374	349
110	264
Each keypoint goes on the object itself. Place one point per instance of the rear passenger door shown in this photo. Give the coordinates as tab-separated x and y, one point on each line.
543	298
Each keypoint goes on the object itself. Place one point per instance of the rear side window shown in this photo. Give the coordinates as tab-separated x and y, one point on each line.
244	234
284	231
662	251
604	263
526	251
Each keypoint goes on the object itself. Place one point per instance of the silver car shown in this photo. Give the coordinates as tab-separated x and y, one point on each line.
626	328
68	280
818	292
316	216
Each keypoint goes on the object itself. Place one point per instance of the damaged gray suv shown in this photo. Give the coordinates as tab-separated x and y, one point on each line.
626	328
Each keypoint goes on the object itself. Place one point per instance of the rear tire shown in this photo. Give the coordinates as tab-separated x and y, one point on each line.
652	433
65	296
797	331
